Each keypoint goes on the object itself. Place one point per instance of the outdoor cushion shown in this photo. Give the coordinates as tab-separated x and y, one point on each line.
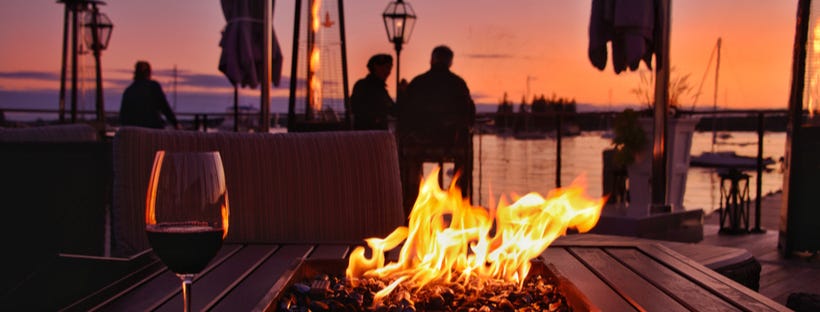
78	132
282	188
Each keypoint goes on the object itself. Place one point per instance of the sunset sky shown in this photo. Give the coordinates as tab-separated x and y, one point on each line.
497	45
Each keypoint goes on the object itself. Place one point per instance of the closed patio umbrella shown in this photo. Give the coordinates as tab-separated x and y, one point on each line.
638	29
242	59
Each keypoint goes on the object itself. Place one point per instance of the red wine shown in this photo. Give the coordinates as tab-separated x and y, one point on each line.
186	248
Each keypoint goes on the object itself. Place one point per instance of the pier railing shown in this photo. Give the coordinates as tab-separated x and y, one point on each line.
559	124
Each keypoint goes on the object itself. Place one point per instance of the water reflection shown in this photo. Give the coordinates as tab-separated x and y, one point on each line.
504	165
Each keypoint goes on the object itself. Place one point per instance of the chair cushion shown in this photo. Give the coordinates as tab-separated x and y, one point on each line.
78	132
287	187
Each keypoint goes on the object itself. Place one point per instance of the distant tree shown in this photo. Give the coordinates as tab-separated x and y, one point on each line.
539	104
504	113
523	107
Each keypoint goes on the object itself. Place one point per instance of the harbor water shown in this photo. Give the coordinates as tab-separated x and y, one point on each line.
511	167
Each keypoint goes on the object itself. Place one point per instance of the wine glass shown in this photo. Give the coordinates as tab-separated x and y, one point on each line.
186	212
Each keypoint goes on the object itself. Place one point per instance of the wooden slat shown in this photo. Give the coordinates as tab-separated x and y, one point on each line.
330	252
713	257
595	240
670	282
689	282
217	282
714	281
145	295
598	292
626	282
141	273
246	295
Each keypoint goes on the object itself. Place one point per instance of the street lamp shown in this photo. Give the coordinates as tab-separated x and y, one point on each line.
97	38
399	19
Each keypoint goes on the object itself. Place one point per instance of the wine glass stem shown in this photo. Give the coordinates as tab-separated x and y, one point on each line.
187	280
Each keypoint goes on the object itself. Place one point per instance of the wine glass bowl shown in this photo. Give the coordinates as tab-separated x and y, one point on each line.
186	214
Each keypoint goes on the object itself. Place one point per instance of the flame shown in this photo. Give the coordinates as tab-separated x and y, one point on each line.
315	83
447	240
813	92
226	216
314	64
314	13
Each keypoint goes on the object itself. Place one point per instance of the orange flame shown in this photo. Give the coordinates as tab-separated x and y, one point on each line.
315	83
314	14
314	64
450	241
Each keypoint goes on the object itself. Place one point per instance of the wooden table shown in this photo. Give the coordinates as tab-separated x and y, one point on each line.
615	275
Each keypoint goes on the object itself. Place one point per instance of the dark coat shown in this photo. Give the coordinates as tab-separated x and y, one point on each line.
437	107
371	104
144	104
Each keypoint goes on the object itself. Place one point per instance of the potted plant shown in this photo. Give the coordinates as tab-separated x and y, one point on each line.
633	133
628	138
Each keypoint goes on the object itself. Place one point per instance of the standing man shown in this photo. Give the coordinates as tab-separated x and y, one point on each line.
435	120
370	102
144	103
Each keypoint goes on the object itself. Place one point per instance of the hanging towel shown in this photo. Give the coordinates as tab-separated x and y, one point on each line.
629	25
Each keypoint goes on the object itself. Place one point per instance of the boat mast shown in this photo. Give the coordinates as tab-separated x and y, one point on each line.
714	118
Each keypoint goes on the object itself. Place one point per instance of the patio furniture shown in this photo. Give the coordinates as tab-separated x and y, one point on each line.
55	183
610	275
78	132
318	187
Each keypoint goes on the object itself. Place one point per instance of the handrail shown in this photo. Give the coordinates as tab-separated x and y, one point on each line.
200	122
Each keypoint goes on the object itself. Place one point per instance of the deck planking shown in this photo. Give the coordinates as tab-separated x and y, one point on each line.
779	276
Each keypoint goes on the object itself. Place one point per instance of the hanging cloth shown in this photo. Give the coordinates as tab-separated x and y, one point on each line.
630	25
241	59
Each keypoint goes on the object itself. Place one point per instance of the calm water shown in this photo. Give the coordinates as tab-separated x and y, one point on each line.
505	165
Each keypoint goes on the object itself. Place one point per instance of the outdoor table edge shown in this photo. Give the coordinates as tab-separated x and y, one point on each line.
658	251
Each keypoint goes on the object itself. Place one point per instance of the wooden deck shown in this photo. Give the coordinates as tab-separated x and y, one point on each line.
779	276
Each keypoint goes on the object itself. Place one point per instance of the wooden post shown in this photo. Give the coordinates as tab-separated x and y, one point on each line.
659	150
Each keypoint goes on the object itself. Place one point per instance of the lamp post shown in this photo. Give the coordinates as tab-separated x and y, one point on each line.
97	37
399	19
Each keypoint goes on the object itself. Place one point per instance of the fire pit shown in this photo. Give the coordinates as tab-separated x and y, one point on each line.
455	256
610	273
319	285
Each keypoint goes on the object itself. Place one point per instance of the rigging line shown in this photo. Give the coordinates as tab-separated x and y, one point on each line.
705	73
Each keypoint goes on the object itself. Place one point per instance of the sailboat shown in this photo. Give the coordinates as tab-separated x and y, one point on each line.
723	159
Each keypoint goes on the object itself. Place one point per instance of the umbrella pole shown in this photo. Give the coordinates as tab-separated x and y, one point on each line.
266	41
659	151
235	108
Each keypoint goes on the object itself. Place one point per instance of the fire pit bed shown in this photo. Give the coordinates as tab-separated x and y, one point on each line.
320	285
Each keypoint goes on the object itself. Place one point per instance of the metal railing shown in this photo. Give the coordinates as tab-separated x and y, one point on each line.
554	121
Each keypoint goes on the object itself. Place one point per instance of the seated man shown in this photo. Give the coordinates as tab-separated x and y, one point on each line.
435	118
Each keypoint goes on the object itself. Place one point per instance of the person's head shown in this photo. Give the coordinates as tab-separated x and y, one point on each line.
142	70
442	57
380	65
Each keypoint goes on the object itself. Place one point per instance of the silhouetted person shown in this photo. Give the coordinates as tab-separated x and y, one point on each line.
435	118
144	103
370	102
